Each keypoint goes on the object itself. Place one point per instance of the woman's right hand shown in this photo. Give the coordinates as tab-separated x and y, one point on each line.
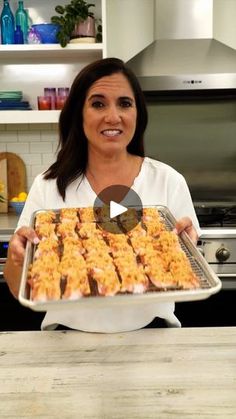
18	242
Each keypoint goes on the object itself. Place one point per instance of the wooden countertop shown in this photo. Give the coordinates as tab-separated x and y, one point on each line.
150	373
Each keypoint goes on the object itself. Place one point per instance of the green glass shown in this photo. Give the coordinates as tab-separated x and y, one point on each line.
22	20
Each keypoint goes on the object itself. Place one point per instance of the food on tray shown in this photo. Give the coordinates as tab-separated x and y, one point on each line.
67	229
45	217
76	258
86	214
46	230
45	277
68	215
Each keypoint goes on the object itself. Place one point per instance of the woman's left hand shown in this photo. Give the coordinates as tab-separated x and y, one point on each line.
185	224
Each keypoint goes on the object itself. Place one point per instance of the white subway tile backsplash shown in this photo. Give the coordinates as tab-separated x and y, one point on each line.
28	168
14	127
7	137
41	147
36	144
49	135
29	136
38	169
32	158
18	148
39	127
48	158
54	148
30	180
3	147
19	127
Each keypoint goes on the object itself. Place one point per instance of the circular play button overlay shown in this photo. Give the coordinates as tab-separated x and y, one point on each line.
117	209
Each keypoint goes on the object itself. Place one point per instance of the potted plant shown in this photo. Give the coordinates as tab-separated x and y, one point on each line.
69	19
98	30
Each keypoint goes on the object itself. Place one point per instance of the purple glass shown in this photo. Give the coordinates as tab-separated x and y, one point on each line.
51	91
63	91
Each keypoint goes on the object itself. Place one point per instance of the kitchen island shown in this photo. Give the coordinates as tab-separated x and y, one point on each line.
150	373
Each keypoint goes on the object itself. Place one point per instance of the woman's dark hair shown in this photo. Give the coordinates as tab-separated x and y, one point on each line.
73	146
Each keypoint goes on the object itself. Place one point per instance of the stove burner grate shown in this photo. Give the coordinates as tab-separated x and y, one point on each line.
218	216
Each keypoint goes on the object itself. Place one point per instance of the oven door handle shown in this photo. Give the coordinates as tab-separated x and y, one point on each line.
1	277
227	275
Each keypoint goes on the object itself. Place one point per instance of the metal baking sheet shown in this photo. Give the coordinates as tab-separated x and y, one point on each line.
209	282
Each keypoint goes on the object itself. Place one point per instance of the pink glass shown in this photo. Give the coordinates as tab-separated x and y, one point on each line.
51	91
60	101
63	91
44	103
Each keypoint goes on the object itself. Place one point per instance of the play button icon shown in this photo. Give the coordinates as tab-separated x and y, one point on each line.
117	209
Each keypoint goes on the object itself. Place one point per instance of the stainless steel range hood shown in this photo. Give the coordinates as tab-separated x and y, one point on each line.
186	64
194	47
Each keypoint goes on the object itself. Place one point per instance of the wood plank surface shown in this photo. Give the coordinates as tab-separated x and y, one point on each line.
150	373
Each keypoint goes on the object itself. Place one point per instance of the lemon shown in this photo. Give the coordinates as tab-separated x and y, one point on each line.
14	199
22	196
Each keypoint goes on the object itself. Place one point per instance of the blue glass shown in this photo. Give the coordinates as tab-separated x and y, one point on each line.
18	35
7	24
22	20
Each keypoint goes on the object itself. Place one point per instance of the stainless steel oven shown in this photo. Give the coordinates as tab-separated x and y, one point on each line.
13	316
5	236
218	240
218	246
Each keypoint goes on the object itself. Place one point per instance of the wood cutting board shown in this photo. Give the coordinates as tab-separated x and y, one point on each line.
16	174
3	180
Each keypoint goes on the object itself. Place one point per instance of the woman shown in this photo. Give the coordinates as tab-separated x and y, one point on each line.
101	144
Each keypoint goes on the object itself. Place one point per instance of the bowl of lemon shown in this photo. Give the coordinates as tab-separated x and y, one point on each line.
18	202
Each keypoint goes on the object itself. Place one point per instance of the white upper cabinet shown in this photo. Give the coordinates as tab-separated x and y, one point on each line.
128	27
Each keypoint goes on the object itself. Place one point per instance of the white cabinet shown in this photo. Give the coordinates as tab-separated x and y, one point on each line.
128	27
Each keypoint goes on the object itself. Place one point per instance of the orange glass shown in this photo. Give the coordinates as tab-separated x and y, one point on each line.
44	103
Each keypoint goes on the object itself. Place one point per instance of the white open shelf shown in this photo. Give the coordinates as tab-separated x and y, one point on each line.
29	117
34	53
44	50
